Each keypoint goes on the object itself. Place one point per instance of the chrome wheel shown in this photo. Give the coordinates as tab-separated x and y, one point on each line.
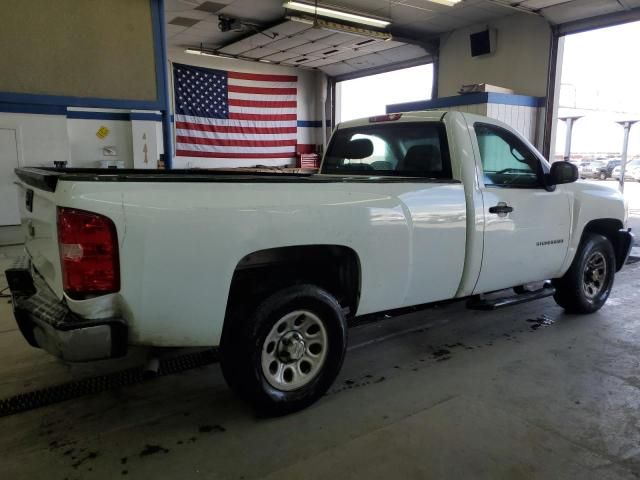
595	275
294	351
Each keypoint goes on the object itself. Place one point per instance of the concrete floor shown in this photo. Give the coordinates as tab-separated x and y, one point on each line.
525	392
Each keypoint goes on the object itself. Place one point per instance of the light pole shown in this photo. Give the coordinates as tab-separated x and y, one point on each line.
626	124
569	120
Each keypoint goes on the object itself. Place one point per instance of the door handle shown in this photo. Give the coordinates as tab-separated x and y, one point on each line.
501	209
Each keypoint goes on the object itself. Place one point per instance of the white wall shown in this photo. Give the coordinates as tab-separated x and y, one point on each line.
42	139
520	61
309	105
86	148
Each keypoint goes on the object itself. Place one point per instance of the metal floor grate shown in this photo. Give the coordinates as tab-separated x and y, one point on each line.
87	386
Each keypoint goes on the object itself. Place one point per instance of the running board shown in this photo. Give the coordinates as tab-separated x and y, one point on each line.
480	303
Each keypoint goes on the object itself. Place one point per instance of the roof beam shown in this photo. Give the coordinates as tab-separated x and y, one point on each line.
600	21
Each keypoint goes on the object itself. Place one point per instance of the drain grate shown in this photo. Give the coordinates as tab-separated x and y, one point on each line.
87	386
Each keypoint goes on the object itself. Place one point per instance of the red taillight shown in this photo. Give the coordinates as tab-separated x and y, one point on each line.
88	252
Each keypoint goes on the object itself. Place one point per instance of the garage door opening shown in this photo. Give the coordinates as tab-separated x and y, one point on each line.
598	90
367	96
599	106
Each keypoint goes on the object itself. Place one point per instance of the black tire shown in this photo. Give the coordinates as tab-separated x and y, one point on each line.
603	176
571	290
243	343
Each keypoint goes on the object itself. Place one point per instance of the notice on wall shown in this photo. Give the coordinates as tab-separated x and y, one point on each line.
102	132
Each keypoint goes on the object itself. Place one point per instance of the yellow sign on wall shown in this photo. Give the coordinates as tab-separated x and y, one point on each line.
102	132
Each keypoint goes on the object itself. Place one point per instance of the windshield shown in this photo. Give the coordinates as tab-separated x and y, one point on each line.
402	149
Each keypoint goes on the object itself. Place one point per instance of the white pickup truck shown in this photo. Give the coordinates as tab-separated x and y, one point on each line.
408	209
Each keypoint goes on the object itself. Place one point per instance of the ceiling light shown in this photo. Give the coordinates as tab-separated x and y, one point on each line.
338	14
448	3
206	53
340	27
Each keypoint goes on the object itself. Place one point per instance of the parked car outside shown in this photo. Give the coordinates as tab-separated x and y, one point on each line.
582	167
591	169
605	170
631	166
634	173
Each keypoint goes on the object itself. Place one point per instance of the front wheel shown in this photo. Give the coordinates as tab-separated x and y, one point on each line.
286	355
587	284
603	176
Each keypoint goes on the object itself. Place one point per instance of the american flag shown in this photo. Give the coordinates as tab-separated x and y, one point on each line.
222	114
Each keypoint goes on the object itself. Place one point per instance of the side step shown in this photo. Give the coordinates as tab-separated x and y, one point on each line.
481	302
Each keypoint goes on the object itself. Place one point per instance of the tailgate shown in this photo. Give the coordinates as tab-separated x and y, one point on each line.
39	218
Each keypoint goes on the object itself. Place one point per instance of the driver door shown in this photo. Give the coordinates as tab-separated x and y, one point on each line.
526	232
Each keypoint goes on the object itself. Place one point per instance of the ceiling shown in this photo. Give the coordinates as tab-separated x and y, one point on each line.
195	22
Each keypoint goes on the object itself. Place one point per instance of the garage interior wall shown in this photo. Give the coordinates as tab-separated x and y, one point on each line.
520	61
92	42
309	105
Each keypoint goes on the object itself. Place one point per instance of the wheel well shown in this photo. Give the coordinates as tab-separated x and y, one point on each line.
333	267
609	228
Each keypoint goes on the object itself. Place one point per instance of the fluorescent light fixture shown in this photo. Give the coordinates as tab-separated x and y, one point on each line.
340	27
448	3
206	53
338	14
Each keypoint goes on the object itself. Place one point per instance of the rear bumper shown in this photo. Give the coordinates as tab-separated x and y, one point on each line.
47	323
623	247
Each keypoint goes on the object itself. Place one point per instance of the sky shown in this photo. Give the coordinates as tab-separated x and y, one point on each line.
600	79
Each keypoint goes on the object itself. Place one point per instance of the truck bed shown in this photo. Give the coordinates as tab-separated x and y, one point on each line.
46	178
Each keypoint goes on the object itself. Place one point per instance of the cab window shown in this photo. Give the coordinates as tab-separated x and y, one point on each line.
506	160
403	149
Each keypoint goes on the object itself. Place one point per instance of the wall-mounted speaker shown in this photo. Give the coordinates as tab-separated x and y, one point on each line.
483	43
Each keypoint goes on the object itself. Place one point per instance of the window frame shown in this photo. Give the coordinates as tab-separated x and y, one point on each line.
447	171
540	170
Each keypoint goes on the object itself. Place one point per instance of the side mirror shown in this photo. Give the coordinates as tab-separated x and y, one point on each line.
562	172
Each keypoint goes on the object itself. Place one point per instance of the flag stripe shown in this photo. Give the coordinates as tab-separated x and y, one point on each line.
262	110
270	118
202	147
235	142
262	90
263	77
190	153
270	98
255	83
234	129
236	122
234	136
260	103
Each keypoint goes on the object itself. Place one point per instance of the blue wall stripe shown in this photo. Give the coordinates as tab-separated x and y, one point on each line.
116	116
467	99
36	99
82	115
77	114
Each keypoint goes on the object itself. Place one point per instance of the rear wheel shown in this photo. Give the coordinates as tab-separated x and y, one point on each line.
587	284
285	355
602	176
